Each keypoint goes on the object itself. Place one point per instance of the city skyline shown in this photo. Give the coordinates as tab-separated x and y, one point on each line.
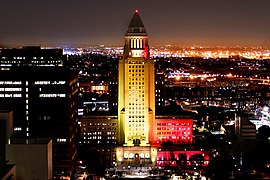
85	23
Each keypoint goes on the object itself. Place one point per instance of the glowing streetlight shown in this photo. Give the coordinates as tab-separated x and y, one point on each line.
265	108
229	75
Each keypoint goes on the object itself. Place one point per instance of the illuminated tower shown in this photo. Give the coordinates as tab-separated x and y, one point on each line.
136	89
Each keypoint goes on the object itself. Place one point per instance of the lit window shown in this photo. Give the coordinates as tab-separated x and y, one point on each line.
52	95
17	129
61	140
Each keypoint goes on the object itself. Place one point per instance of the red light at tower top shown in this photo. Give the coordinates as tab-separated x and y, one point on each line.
136	11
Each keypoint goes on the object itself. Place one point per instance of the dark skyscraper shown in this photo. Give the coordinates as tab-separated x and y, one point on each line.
41	91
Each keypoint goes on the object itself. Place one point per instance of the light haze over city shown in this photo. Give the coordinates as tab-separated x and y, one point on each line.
178	22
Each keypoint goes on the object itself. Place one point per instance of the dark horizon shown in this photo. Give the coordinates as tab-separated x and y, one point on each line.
180	22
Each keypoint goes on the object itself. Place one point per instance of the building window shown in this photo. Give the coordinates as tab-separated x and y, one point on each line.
61	140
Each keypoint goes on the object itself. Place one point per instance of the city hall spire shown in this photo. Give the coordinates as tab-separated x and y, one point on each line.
136	39
136	24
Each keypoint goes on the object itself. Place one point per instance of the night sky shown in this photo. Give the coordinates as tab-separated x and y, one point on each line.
176	22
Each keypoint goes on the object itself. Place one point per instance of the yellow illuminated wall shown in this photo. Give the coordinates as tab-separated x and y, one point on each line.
136	98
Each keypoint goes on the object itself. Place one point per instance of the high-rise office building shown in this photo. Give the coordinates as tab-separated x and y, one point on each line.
41	91
136	89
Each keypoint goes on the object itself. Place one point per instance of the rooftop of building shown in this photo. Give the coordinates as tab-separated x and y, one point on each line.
136	24
38	73
4	109
5	169
31	51
174	110
30	141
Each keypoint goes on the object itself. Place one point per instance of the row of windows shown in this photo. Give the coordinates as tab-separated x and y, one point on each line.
138	103
132	92
159	99
10	62
135	133
52	95
100	137
136	112
137	43
178	141
10	89
136	74
136	66
135	117
5	69
134	106
173	129
57	61
27	110
10	82
44	118
137	70
49	82
136	83
10	95
99	142
61	140
18	58
174	137
135	87
136	125
131	155
179	133
138	97
17	129
100	133
135	62
137	79
6	65
136	121
136	130
99	124
173	124
97	128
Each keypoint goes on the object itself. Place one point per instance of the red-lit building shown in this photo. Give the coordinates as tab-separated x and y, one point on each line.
190	156
176	129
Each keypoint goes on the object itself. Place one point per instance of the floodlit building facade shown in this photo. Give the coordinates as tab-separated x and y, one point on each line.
139	131
136	90
179	130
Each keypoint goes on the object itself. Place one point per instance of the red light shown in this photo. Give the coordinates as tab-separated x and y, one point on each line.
136	11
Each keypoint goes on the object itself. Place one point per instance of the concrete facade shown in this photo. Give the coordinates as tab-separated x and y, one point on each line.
33	160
